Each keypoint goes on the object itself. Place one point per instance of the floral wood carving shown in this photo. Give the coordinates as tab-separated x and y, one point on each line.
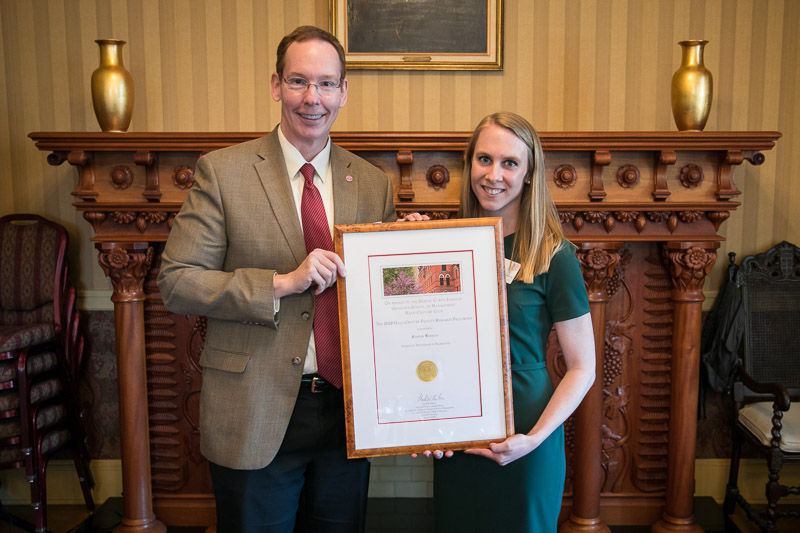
565	176
616	430
438	177
597	266
595	217
566	216
691	176
120	177
146	218
433	215
628	176
687	217
690	267
127	269
658	216
123	217
183	177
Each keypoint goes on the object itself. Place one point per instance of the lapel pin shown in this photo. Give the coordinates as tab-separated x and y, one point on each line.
349	178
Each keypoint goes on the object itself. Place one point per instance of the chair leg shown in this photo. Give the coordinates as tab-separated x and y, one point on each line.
41	484
84	476
732	489
774	490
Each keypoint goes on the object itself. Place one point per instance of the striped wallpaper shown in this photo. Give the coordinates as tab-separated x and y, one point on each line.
590	65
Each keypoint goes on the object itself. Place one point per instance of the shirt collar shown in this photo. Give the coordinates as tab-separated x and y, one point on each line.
294	159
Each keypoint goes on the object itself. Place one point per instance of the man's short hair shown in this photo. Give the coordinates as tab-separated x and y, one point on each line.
305	33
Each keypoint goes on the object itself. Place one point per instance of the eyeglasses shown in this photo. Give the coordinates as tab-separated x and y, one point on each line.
301	85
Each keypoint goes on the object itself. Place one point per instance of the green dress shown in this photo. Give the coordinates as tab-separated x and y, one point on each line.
475	494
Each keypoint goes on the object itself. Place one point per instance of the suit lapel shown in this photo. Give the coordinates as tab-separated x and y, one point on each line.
272	173
345	187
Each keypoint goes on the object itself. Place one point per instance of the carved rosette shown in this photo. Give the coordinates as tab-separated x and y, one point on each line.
127	267
183	177
690	267
437	176
628	176
120	177
565	176
691	176
597	266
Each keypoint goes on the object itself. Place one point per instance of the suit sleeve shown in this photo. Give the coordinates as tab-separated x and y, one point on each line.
389	212
192	278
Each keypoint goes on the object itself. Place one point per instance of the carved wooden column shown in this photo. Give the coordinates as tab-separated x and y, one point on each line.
598	261
126	264
689	263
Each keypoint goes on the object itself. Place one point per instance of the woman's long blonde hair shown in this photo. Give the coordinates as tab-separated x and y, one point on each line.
538	235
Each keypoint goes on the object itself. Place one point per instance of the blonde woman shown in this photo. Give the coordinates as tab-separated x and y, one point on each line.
516	485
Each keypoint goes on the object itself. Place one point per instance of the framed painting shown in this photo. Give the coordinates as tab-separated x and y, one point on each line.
420	35
423	324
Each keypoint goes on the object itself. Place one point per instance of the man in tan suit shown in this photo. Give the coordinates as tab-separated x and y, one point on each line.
271	427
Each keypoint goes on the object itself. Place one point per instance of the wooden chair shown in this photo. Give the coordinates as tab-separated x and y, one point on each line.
40	354
768	380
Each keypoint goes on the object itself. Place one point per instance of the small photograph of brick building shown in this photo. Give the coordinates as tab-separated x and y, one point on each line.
421	279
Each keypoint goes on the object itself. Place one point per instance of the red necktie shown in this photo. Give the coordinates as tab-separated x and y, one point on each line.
317	234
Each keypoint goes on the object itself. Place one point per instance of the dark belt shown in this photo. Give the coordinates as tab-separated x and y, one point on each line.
314	383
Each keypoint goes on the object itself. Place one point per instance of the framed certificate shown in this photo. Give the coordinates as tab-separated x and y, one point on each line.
424	332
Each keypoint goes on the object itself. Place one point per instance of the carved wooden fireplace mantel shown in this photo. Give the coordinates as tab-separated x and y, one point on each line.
644	209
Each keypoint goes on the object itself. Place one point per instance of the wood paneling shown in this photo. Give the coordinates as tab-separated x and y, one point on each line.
588	65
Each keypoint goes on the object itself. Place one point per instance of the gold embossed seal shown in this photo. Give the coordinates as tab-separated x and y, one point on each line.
427	371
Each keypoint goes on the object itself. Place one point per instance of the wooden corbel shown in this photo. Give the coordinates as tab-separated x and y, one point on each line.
149	160
600	159
404	160
726	189
85	189
664	159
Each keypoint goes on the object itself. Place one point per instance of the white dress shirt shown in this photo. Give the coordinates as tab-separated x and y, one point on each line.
324	183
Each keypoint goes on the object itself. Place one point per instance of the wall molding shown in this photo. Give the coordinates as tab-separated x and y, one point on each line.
63	488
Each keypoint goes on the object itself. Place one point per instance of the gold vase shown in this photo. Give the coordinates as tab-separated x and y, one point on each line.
691	88
112	88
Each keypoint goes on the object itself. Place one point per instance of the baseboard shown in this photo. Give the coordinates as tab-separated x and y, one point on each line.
63	487
711	476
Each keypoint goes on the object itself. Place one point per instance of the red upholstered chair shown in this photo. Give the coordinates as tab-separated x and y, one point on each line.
40	354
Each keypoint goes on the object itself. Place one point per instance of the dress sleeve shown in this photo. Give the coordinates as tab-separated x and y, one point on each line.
565	291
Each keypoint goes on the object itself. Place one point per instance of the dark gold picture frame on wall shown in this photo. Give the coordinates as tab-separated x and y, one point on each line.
420	35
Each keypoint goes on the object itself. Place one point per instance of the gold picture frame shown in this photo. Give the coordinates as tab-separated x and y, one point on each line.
427	35
424	336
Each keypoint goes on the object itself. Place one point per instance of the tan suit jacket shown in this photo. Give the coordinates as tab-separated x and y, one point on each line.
238	227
